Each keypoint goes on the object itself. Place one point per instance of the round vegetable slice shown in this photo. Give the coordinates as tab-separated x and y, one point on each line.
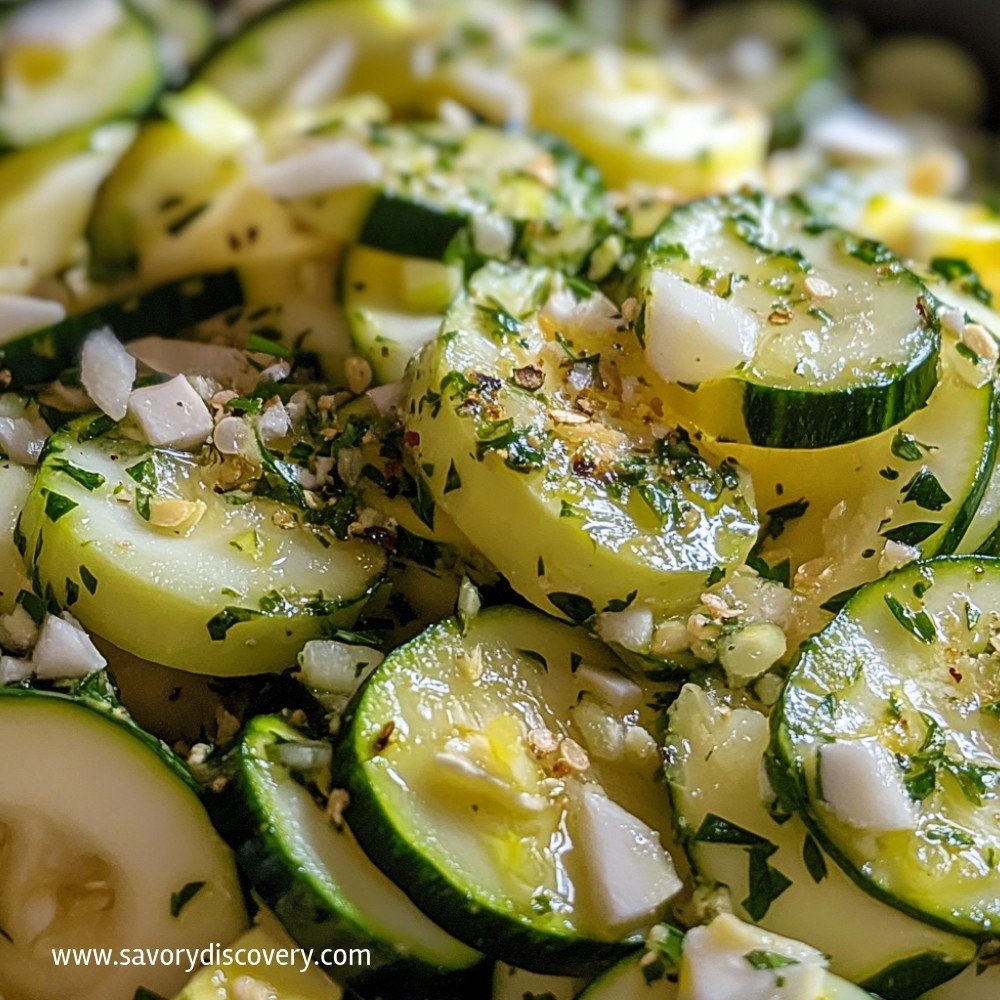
779	330
67	68
306	865
76	869
781	54
777	875
116	530
503	773
885	740
540	431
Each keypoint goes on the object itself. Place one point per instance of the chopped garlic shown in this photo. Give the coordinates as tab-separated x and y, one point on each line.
171	415
64	650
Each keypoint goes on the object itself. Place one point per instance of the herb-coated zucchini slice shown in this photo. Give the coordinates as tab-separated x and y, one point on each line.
302	54
62	73
229	980
82	877
170	309
781	54
776	873
56	181
225	583
15	485
394	305
534	420
308	868
503	776
180	201
725	959
446	191
844	515
631	119
884	740
816	337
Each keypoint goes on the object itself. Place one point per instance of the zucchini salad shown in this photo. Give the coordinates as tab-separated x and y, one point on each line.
497	501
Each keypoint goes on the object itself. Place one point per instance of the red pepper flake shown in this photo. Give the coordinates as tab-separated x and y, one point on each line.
412	439
955	675
583	466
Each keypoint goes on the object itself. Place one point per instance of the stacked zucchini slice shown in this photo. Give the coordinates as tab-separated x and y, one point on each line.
576	536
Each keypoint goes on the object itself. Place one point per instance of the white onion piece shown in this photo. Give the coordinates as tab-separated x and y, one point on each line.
107	372
171	415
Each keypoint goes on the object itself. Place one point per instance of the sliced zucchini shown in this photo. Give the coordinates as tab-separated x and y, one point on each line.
65	68
226	583
181	201
307	867
394	305
539	429
301	55
443	191
781	331
885	741
81	877
56	181
234	979
185	31
168	310
726	959
504	776
776	874
845	515
15	485
781	54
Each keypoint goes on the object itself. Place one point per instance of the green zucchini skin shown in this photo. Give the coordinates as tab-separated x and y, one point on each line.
313	919
170	309
867	646
848	339
492	918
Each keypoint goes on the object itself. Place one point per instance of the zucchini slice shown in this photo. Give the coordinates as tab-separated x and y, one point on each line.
394	305
81	877
885	738
727	959
170	309
780	54
15	485
65	68
776	873
845	515
816	337
312	873
540	431
116	530
445	192
303	54
978	982
504	776
57	181
181	201
232	980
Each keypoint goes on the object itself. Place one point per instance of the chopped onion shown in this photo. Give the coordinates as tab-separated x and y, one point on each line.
22	438
107	372
18	630
692	335
13	670
317	168
25	313
64	650
325	77
336	667
227	365
171	415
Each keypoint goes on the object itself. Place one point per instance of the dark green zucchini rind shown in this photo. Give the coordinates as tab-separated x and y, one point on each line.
847	340
906	663
168	311
281	864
